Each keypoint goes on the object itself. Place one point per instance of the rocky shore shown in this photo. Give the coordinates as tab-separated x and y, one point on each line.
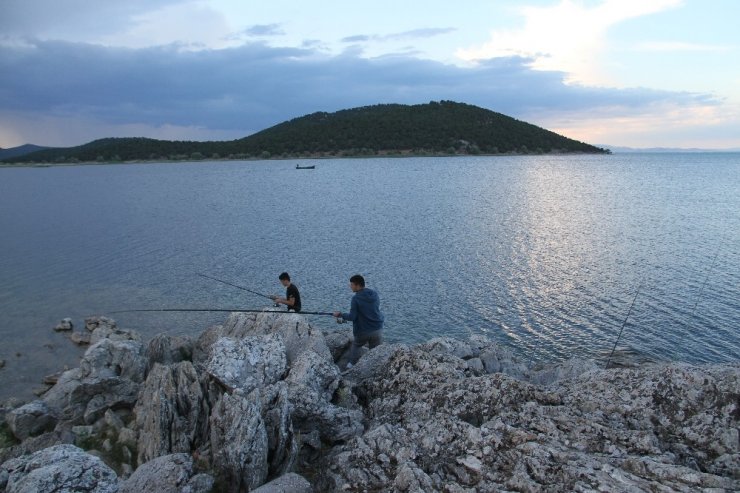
261	403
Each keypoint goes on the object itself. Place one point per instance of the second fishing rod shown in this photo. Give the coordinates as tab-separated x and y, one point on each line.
272	298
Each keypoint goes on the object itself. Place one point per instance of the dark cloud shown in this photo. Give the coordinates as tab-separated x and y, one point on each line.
255	86
34	17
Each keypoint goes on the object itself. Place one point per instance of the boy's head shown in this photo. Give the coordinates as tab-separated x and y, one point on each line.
284	279
356	282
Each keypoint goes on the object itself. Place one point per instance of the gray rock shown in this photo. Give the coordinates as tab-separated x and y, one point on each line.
79	399
312	382
281	442
62	468
567	370
167	474
338	342
172	411
92	323
239	441
248	363
31	419
287	483
114	334
293	329
372	364
65	325
115	358
80	338
108	377
449	345
165	350
432	428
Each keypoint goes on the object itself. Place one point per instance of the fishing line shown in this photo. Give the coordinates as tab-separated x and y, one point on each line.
706	278
623	325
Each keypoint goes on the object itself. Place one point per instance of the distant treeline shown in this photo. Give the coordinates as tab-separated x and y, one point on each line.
436	128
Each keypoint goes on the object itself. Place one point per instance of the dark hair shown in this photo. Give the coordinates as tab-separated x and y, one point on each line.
284	276
357	279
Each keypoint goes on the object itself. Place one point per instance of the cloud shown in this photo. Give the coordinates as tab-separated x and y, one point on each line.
406	35
264	30
566	37
233	92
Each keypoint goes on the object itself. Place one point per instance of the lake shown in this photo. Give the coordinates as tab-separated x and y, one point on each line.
545	254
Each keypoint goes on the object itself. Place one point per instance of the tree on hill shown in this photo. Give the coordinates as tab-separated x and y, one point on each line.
435	128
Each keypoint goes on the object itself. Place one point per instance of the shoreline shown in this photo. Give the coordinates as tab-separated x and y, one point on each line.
399	155
419	417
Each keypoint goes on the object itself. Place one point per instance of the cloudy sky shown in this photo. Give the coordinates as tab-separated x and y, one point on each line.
640	73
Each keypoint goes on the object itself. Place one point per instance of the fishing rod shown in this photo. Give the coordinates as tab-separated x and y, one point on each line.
236	286
149	310
215	310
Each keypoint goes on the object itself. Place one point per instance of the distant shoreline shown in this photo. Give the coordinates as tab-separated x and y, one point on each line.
303	158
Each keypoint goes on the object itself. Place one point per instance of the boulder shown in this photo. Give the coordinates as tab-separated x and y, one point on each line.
312	382
432	427
113	333
247	363
338	342
293	328
372	364
287	483
281	442
165	350
62	468
65	325
171	412
239	442
92	323
115	358
81	338
30	419
167	474
77	399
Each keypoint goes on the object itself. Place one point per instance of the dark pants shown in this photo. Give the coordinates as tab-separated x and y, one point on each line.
372	339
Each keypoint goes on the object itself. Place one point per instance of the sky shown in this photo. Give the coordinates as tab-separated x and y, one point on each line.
636	73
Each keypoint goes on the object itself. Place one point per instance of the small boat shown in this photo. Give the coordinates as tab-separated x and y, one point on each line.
298	166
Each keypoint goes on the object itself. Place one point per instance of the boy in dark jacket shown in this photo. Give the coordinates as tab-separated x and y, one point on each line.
367	320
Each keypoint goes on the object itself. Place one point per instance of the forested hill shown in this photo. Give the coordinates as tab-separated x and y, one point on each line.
436	128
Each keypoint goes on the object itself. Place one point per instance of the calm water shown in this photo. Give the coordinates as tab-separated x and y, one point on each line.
544	254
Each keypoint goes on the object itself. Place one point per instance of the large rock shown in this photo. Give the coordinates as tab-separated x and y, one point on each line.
288	483
239	441
77	399
281	441
312	383
108	377
115	358
292	328
62	468
172	411
31	419
166	349
433	428
247	363
167	474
